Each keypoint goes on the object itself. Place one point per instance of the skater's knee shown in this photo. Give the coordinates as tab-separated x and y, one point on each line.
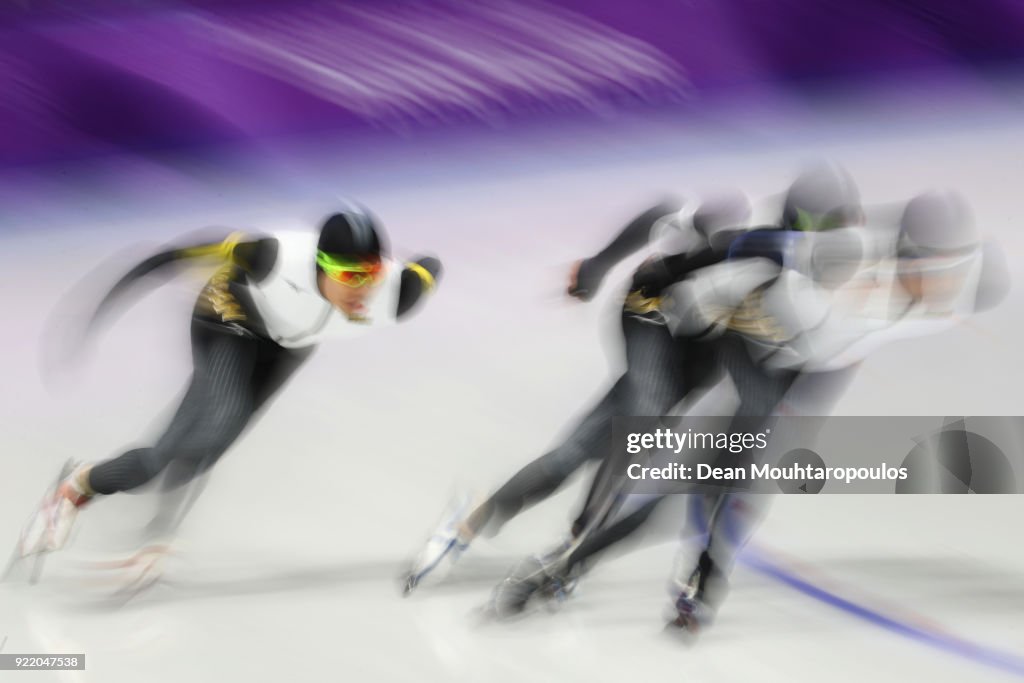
185	461
153	461
181	472
206	444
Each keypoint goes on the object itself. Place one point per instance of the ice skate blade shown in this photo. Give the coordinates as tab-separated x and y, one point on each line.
35	560
408	584
684	630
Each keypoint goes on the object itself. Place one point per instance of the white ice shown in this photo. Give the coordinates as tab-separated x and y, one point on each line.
289	559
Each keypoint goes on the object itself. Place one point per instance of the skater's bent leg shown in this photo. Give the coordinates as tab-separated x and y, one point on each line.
545	475
655	368
274	368
183	482
734	521
214	411
128	471
606	537
139	466
654	382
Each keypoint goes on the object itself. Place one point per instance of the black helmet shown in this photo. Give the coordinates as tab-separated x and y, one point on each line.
353	232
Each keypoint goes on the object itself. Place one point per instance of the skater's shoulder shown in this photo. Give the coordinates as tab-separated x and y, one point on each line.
257	255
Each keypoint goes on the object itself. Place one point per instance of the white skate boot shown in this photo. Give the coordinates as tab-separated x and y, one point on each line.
538	579
50	526
444	547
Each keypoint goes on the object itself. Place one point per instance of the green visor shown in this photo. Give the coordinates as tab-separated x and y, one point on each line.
348	270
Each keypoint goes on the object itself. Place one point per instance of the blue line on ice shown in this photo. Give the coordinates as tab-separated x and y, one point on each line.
980	654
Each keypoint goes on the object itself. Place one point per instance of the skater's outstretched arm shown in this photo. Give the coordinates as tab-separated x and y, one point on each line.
656	274
254	256
637	233
723	211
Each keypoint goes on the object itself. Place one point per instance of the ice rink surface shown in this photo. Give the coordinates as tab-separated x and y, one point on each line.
286	568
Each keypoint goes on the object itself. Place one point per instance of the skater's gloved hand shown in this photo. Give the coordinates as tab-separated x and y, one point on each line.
651	278
585	279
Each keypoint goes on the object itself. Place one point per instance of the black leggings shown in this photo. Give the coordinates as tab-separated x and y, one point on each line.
660	371
233	377
731	517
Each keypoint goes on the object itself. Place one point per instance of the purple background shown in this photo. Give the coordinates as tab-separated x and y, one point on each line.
94	78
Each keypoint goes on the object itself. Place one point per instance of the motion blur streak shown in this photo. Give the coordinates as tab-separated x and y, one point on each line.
417	63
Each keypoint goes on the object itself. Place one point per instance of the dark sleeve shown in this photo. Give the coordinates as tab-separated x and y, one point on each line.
255	256
652	277
636	234
630	239
419	278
